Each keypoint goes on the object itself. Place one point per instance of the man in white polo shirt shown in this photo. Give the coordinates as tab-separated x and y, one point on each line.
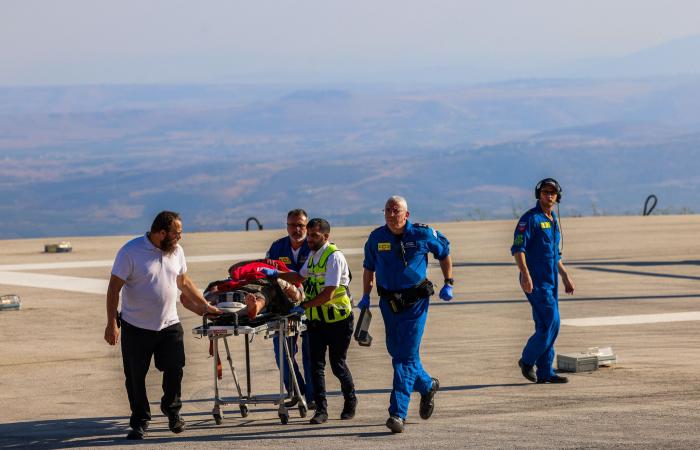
148	271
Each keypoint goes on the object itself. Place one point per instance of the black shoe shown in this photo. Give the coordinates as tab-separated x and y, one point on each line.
136	434
527	371
395	424
349	408
556	379
427	405
319	418
175	422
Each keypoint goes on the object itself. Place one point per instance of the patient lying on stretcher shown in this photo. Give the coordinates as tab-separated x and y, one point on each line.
248	286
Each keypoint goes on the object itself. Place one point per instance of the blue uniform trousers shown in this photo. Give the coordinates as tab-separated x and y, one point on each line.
305	387
539	350
404	331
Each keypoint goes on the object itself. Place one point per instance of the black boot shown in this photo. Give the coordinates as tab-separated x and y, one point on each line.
138	432
556	379
528	371
319	418
175	422
395	424
349	408
427	403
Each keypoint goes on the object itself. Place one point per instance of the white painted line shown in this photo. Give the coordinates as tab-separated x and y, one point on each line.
57	265
108	262
9	276
632	320
62	283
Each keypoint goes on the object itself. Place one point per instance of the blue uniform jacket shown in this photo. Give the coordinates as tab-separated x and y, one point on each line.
538	238
402	262
282	249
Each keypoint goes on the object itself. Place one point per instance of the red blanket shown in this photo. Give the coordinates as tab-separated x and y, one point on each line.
246	272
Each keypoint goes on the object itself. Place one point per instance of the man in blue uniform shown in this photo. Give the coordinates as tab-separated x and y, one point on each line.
536	252
293	250
397	253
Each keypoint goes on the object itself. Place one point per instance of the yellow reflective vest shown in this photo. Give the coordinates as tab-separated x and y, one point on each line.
339	307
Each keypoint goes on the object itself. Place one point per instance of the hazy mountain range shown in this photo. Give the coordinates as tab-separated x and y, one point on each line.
104	159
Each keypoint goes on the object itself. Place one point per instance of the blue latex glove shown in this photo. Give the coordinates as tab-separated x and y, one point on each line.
269	273
364	302
297	310
446	293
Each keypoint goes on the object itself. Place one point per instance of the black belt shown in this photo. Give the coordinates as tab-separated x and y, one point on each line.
405	298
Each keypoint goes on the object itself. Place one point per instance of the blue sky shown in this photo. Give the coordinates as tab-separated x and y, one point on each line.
126	41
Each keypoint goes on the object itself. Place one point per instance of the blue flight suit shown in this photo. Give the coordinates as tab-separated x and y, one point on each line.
281	249
401	262
538	237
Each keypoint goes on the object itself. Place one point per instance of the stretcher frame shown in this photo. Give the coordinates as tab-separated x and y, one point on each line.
279	327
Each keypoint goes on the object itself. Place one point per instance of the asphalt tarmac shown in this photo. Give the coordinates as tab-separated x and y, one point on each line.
637	287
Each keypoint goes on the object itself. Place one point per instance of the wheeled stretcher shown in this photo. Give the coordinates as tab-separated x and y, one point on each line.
270	326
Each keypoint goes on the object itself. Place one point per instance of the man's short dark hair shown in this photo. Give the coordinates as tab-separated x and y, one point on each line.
164	221
322	224
297	212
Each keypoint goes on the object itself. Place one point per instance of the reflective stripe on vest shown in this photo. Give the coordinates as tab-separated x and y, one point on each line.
339	306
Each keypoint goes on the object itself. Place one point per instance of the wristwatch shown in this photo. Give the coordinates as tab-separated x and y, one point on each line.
450	281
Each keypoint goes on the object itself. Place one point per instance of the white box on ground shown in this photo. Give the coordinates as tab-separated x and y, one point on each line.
605	355
577	362
587	361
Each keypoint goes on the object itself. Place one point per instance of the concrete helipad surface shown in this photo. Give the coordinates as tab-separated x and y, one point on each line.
637	290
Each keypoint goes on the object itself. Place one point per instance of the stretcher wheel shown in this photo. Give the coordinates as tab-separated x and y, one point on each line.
244	410
218	419
284	418
302	410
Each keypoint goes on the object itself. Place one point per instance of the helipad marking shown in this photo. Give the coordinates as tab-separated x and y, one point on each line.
9	274
108	262
60	282
632	320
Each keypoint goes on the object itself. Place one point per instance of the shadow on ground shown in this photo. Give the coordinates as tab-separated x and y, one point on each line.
110	431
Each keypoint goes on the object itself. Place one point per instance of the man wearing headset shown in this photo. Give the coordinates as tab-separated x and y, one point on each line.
536	252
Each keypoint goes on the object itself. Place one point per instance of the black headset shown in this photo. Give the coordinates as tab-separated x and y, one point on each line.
550	181
557	187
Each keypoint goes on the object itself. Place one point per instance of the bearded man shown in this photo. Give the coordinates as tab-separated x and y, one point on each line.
149	270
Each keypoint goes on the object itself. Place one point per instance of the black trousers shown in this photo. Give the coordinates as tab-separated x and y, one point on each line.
336	338
167	348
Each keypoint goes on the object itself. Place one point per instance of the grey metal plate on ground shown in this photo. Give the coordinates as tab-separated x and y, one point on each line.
577	362
11	301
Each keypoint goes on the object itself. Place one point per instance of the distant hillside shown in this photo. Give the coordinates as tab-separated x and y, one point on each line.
102	160
676	57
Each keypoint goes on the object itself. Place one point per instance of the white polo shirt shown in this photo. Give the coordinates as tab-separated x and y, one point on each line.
337	271
150	294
